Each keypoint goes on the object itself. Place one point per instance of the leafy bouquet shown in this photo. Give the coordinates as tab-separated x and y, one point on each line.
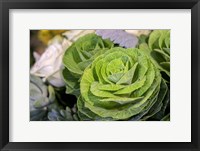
103	75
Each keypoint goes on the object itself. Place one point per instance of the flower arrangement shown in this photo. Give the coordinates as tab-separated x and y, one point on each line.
102	75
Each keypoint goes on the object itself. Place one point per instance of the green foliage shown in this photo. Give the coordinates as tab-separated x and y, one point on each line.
78	56
44	104
166	118
143	39
69	114
41	97
121	84
158	49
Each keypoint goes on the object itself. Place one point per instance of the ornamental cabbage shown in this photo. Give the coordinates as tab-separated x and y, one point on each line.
78	56
158	49
121	84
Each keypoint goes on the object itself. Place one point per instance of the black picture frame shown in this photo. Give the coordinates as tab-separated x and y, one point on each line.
5	5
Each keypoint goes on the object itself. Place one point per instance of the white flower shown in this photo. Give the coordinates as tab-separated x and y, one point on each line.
138	32
49	65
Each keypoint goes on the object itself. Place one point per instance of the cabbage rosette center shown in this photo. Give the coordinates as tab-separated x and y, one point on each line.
121	84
